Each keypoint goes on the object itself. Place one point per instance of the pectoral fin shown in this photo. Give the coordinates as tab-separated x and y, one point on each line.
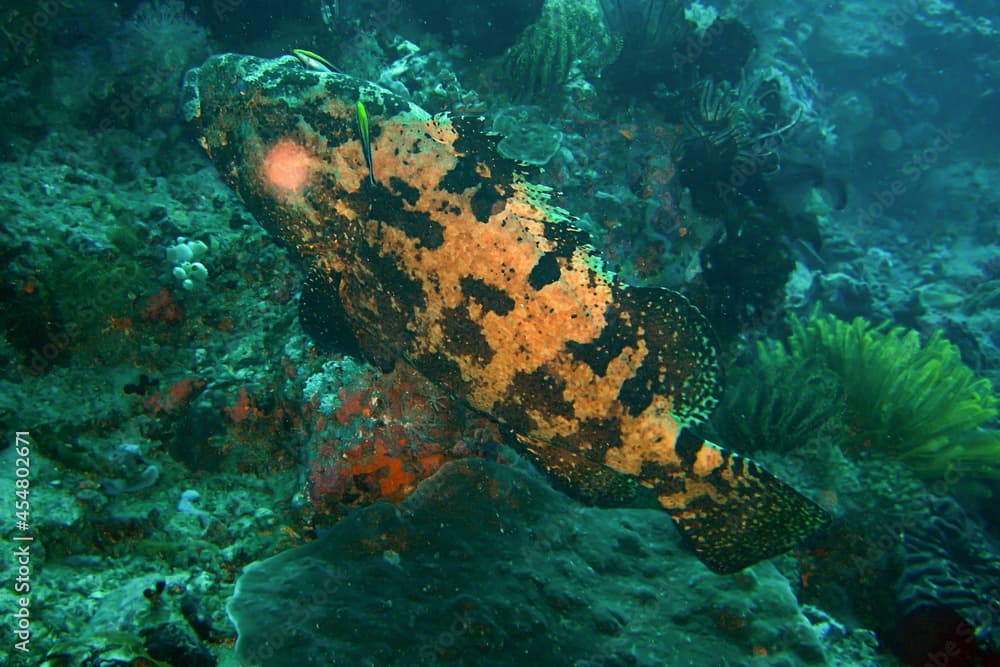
322	315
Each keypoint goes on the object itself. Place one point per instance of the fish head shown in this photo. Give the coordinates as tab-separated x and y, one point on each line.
286	139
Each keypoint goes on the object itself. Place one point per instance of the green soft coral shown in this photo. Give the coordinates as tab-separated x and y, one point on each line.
779	403
568	32
917	402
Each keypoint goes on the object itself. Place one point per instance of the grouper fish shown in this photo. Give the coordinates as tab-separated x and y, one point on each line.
455	262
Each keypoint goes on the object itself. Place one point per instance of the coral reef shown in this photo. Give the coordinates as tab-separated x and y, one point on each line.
385	435
949	561
556	593
148	56
744	271
526	136
138	393
916	402
779	403
651	37
732	140
568	33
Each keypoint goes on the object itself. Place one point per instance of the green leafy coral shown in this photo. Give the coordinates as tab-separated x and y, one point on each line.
568	32
868	388
779	404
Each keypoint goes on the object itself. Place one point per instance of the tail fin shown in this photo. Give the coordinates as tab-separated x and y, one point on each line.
731	511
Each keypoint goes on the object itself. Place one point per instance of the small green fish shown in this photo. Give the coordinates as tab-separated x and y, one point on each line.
366	140
314	61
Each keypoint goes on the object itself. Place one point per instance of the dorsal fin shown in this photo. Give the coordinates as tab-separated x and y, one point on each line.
682	362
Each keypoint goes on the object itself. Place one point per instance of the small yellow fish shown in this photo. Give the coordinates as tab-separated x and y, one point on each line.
314	61
366	140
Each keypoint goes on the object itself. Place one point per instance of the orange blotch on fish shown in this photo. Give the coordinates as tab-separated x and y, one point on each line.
646	438
287	165
708	460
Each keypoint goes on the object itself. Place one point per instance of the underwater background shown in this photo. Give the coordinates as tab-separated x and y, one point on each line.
186	461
